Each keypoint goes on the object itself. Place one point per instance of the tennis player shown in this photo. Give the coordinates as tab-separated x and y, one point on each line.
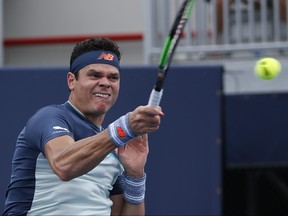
66	163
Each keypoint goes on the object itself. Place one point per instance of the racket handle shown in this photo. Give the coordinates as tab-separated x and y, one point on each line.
155	98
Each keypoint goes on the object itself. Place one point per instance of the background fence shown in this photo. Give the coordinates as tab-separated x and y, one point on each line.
219	27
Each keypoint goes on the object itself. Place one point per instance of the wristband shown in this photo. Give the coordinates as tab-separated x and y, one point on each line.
120	131
134	191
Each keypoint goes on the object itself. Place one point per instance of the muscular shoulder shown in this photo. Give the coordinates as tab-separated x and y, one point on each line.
48	117
47	123
51	110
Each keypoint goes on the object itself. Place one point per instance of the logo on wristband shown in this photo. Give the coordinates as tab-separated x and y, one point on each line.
120	132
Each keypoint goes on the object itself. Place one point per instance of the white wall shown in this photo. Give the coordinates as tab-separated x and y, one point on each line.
59	54
58	18
32	18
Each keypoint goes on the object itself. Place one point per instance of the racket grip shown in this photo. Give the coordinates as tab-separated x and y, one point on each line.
155	98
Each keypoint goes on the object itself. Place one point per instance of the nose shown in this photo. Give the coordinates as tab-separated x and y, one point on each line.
104	82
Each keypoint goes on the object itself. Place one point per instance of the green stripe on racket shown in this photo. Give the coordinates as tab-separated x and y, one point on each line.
169	50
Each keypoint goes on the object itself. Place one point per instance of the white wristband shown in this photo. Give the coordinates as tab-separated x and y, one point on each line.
134	191
120	131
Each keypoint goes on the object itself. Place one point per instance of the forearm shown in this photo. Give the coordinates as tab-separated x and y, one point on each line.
134	194
131	209
82	156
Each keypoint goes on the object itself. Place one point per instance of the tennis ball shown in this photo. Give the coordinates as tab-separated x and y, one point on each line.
267	68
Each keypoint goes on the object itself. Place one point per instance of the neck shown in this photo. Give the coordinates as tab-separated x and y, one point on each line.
97	120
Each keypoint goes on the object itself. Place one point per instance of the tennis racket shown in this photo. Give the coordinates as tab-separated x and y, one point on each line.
168	50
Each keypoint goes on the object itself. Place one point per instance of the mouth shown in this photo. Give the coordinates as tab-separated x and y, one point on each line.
102	95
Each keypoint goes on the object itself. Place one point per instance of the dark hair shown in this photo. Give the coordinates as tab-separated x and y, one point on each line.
94	43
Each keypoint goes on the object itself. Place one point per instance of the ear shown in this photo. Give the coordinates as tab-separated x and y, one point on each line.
71	79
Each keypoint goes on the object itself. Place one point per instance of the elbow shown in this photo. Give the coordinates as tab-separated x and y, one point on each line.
64	177
64	173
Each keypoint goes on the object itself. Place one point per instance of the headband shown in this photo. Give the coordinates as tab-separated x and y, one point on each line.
94	57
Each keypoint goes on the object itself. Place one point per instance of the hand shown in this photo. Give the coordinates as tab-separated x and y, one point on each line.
133	156
145	119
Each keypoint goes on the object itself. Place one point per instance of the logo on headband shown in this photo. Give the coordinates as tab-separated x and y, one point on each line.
106	56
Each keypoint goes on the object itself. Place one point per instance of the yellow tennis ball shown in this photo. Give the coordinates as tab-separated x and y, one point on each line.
267	68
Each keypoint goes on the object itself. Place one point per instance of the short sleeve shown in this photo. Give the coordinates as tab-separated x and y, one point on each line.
48	123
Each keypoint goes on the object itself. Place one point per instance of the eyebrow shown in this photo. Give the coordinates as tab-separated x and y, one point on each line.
110	73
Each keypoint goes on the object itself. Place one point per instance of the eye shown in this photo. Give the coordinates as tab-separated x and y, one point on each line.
113	78
96	75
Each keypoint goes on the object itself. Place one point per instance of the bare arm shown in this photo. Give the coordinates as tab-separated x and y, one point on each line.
120	207
133	157
70	159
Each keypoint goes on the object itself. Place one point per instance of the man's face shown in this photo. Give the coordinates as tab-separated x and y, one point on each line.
96	89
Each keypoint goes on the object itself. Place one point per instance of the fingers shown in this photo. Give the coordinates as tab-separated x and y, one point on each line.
152	111
139	140
145	119
143	140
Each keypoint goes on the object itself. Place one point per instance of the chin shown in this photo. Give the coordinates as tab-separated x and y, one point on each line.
102	109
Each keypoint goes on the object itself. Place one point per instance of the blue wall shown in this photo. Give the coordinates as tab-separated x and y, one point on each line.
256	130
185	161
